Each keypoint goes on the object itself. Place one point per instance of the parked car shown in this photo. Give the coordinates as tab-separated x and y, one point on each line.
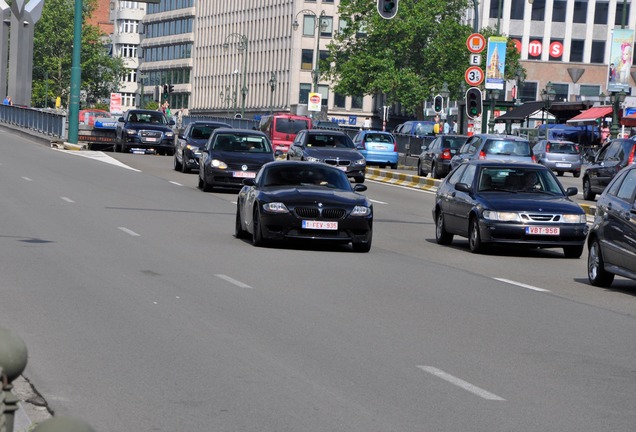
195	135
416	128
231	155
331	147
610	159
377	147
88	117
145	131
304	200
506	148
559	156
612	239
281	128
520	204
437	157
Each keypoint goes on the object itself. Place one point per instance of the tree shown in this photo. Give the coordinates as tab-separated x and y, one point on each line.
52	55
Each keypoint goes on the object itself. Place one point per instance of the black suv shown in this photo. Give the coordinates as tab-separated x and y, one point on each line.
612	239
145	130
610	159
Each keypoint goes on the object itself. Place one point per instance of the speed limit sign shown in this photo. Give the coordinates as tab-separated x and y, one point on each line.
474	76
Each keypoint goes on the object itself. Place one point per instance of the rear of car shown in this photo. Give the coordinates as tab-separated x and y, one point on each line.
559	156
504	148
610	159
281	128
436	159
378	148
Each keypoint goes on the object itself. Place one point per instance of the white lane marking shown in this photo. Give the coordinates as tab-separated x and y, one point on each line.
27	179
98	155
232	281
376	201
68	200
534	288
461	383
127	231
175	183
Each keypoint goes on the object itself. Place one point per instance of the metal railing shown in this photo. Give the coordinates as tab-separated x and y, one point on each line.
44	121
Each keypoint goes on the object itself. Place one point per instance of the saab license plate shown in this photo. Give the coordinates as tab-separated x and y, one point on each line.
244	174
543	231
320	225
563	165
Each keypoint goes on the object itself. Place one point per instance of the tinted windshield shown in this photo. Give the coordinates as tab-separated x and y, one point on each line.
242	143
329	140
291	126
423	129
454	143
201	132
505	147
567	148
309	175
519	179
156	118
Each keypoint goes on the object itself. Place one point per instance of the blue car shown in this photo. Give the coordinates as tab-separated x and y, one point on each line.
377	147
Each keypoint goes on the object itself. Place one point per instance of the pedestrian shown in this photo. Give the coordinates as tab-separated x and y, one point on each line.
454	127
436	127
7	101
366	125
446	127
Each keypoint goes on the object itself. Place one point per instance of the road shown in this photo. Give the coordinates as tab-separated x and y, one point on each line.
141	311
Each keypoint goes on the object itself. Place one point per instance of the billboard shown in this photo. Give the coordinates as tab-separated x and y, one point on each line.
620	61
496	62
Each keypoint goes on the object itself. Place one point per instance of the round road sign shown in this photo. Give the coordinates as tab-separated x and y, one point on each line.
476	43
474	76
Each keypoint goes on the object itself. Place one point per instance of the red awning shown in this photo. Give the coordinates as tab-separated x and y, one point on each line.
590	116
629	120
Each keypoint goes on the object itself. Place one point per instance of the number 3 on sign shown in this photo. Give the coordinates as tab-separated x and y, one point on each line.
474	76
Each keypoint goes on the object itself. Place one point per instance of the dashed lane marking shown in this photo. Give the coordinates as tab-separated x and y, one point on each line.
461	383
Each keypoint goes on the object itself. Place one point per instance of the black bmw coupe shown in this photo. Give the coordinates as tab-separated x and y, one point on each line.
304	201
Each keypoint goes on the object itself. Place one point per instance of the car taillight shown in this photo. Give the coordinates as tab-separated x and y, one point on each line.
363	146
395	147
547	147
534	159
630	160
482	155
446	154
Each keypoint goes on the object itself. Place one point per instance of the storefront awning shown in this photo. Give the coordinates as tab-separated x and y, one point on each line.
520	113
629	121
590	116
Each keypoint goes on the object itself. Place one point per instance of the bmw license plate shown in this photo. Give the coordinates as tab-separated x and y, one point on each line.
543	230
320	225
244	174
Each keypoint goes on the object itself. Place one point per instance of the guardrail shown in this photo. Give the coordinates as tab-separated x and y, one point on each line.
44	121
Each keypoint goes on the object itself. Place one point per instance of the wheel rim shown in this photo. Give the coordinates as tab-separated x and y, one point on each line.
594	262
440	224
474	235
586	187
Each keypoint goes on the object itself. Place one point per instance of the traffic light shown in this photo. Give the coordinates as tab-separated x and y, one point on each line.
387	8
474	103
438	104
165	89
170	88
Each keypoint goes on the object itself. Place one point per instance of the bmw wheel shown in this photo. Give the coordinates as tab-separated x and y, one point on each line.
363	246
176	164
596	272
257	234
239	232
184	164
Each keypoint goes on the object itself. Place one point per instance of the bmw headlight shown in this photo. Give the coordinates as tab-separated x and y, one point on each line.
502	216
131	131
312	159
361	211
359	162
215	163
574	218
275	207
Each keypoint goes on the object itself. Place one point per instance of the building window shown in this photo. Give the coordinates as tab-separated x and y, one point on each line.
598	52
561	92
538	10
580	12
326	27
307	59
339	100
324	93
517	9
303	97
494	8
356	102
529	91
600	12
130	76
128	51
309	26
619	14
576	50
590	90
128	26
558	10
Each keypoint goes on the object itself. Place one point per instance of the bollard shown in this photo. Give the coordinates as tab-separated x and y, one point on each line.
63	424
13	360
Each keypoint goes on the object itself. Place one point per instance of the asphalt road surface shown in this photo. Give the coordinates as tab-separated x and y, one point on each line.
142	312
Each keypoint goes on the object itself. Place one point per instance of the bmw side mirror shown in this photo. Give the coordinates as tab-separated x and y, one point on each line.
571	191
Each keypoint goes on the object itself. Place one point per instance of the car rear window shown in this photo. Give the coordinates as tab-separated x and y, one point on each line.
506	147
454	143
291	126
567	148
379	138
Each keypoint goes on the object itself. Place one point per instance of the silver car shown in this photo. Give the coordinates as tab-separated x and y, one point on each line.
559	156
506	148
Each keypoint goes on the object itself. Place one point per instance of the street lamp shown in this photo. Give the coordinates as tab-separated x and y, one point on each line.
319	24
272	86
494	95
142	82
519	79
461	101
243	44
548	95
616	99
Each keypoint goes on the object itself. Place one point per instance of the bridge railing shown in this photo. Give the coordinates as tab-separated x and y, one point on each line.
46	122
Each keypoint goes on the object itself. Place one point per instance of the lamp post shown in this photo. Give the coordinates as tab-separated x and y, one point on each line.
494	95
235	93
548	95
461	101
142	82
519	76
243	44
319	25
616	99
444	93
272	86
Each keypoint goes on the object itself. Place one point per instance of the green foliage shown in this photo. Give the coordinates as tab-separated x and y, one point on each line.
52	56
406	58
152	105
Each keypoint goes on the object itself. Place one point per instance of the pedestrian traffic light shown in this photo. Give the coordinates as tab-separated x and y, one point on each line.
170	88
438	104
474	103
165	89
387	8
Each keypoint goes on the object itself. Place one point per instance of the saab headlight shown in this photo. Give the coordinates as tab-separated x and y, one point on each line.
215	163
275	207
361	211
502	216
574	218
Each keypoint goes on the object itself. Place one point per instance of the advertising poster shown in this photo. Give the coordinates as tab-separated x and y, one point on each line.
496	63
315	102
620	61
115	103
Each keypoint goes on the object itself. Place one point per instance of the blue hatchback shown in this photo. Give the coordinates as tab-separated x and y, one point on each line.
377	147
